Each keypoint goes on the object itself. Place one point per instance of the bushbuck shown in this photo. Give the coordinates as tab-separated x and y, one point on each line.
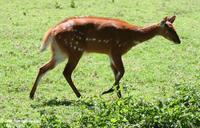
73	36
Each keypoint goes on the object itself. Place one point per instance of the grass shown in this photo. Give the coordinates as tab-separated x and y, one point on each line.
153	69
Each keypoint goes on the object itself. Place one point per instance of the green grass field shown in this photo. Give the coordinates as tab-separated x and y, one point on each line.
154	69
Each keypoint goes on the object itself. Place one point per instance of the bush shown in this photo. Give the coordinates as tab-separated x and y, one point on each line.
180	110
52	121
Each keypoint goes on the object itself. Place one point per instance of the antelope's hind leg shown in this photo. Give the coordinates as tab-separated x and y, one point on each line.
73	60
46	67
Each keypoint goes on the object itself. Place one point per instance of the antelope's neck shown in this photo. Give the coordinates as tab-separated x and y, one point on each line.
147	32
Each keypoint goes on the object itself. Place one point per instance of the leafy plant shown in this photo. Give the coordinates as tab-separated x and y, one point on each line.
3	125
180	110
52	121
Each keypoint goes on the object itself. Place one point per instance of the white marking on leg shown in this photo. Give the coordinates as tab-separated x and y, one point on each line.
111	59
39	78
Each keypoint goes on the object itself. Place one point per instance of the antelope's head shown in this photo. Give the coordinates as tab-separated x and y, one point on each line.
168	31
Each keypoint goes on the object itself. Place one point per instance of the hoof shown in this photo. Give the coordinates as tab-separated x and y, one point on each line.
31	97
108	91
119	94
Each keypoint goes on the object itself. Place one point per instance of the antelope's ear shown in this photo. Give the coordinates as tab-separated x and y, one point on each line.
171	19
165	19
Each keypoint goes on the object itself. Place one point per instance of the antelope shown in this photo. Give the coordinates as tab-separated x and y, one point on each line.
73	36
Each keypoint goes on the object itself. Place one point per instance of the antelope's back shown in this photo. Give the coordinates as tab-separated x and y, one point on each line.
92	34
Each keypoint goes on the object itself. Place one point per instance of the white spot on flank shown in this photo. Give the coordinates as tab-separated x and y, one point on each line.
117	41
99	41
119	45
93	39
79	49
106	41
76	42
74	47
65	40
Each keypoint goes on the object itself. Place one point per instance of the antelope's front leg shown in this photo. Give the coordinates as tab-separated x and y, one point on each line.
115	73
118	70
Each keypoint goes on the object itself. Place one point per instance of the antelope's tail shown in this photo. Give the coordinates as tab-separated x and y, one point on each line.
47	39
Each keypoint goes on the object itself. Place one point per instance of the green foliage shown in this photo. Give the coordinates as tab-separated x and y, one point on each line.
52	121
3	125
180	110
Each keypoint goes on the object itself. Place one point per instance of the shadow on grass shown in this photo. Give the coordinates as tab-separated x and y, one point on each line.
56	102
